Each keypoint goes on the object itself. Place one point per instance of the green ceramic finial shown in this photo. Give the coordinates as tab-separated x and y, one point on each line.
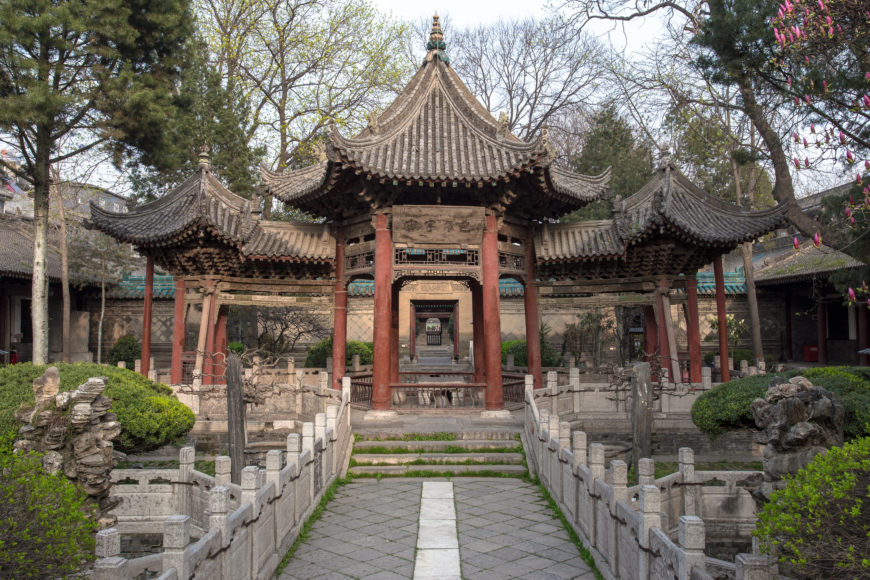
436	45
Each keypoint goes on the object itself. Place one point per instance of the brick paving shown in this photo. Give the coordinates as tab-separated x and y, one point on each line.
505	530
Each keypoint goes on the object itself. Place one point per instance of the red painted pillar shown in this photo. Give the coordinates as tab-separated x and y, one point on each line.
394	334
339	315
179	327
693	330
721	318
208	367
789	353
479	333
863	333
382	314
492	315
219	366
412	334
650	332
664	345
146	316
456	330
823	332
530	305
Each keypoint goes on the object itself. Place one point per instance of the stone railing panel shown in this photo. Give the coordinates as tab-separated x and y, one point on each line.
652	530
246	529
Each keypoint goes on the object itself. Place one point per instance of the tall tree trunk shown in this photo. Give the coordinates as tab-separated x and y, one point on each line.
783	187
748	268
64	276
39	287
754	318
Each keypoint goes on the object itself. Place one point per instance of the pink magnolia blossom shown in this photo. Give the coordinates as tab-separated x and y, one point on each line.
817	240
851	295
797	244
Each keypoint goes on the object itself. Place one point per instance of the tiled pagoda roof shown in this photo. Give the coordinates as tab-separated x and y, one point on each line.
202	227
804	264
436	133
201	201
668	227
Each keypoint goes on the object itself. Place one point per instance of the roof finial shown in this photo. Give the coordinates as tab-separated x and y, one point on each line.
203	156
436	45
664	155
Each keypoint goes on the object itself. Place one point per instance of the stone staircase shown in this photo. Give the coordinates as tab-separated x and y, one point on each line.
468	453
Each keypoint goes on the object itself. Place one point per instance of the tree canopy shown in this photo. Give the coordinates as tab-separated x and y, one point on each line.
610	142
80	74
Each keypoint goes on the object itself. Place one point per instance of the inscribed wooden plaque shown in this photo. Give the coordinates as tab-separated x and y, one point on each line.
438	224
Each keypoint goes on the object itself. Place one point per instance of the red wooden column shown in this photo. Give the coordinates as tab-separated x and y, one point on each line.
494	397
179	328
479	332
721	318
382	314
219	366
146	316
456	330
208	367
530	305
863	333
693	330
339	315
412	334
664	344
823	332
394	334
789	353
650	331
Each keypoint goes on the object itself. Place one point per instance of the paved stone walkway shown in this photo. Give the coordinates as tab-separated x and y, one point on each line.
505	530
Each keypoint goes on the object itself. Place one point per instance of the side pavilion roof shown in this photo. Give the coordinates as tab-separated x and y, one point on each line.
201	227
668	227
436	133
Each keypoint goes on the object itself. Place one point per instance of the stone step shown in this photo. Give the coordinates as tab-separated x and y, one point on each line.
514	470
437	446
461	436
434	458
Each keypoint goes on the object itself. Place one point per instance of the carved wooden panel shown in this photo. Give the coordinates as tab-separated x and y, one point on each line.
427	224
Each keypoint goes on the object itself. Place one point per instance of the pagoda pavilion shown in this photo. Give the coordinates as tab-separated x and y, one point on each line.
434	188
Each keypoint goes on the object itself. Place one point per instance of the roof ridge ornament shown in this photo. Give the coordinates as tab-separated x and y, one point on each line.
436	45
203	157
664	156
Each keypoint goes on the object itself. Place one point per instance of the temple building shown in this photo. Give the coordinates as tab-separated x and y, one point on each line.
436	189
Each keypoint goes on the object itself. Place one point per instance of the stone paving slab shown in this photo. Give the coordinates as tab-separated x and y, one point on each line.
506	530
372	530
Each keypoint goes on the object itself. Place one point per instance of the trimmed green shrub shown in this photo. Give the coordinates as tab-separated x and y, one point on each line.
149	414
318	353
45	529
126	349
549	355
820	523
727	406
236	347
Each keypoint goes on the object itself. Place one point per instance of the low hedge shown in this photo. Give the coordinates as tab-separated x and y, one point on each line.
727	406
318	353
149	413
549	356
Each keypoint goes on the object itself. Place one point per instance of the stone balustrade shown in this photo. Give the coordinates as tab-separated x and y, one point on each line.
215	529
657	529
